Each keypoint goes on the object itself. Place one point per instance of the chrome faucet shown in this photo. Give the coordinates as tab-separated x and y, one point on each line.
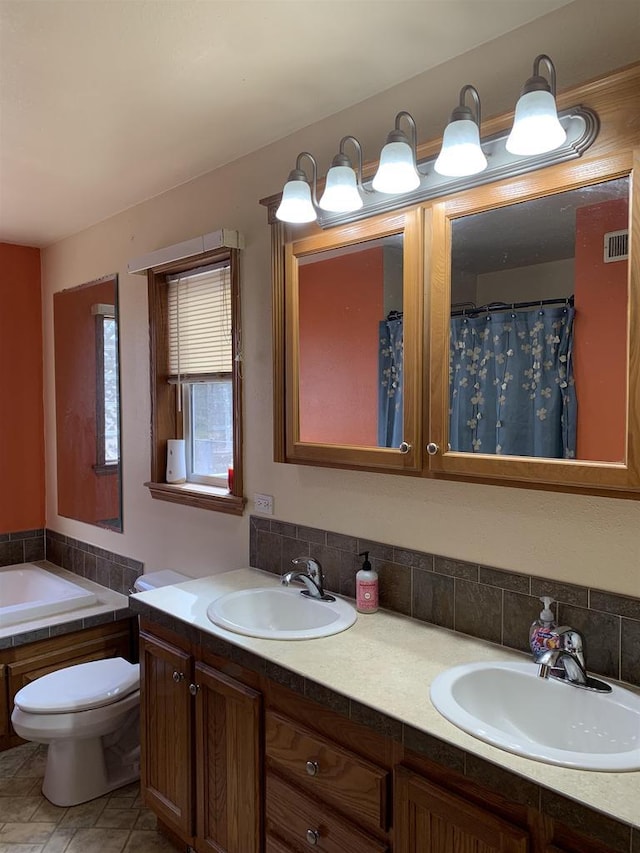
312	578
565	660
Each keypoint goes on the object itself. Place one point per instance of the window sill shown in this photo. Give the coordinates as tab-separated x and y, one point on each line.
202	497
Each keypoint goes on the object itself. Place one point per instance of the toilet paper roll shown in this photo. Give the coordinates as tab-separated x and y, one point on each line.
176	461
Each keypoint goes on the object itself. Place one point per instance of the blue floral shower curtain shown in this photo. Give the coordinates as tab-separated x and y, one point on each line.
390	377
511	386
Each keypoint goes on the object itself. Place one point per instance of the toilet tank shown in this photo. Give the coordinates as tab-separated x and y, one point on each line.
154	580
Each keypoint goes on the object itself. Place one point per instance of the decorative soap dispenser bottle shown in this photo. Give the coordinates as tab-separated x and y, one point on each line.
366	587
541	634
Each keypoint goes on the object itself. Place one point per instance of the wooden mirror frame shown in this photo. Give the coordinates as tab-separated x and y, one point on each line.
288	446
565	474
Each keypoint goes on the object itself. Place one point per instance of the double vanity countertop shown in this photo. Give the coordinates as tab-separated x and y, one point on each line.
388	661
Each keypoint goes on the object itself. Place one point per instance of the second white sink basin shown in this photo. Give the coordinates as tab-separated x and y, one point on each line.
279	613
509	706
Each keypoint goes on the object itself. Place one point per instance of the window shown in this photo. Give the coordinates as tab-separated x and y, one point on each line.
194	313
107	397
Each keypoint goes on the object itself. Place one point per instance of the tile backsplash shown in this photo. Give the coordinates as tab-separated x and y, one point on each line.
485	602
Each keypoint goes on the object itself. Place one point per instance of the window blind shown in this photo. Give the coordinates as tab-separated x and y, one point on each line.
199	306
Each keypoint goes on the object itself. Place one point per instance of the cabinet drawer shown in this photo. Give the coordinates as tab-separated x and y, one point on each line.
300	822
347	781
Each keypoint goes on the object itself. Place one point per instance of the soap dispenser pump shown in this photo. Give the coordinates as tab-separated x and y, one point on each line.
541	634
366	586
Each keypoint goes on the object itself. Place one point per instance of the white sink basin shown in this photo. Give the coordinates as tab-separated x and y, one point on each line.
509	706
276	613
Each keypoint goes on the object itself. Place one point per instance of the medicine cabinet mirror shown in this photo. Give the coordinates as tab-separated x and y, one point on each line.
352	344
530	332
521	324
87	388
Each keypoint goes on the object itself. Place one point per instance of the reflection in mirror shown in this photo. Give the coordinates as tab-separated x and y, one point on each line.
538	336
88	403
351	344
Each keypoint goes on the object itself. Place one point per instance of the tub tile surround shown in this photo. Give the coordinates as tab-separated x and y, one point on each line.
484	602
24	546
107	568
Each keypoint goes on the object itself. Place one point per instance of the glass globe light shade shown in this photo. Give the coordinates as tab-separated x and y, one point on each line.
296	204
397	171
340	191
536	128
461	153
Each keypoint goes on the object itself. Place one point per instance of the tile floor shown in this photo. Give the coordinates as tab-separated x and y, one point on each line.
115	823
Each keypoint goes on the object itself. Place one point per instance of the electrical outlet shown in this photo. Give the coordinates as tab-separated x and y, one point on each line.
263	503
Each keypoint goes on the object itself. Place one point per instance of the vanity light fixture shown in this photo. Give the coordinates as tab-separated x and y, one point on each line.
299	202
461	153
342	182
536	128
539	137
397	170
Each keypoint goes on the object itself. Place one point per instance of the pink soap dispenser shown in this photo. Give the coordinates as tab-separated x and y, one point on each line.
366	587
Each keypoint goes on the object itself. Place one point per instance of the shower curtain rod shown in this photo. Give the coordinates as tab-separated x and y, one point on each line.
459	309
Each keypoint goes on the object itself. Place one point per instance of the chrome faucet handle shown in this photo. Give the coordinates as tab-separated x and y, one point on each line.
571	641
314	569
312	578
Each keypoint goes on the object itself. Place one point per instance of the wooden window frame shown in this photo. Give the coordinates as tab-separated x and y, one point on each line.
165	423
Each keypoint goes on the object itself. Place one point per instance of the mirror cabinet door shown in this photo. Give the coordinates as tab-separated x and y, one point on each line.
87	389
533	332
353	308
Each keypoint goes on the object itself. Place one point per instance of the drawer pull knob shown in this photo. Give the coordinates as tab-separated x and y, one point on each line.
193	689
313	837
313	768
178	677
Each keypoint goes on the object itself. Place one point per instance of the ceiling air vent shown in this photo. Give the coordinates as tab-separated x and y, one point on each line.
616	246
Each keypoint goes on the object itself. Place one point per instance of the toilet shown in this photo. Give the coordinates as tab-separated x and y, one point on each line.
89	715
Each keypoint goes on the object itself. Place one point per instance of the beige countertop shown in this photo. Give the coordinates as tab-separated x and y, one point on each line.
388	661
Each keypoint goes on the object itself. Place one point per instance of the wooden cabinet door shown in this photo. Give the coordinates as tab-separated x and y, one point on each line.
166	733
228	764
5	709
429	819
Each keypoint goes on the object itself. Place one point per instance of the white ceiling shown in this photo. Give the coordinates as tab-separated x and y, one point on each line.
105	103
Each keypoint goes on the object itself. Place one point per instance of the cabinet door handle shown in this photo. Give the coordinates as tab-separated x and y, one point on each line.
178	677
193	689
432	448
404	447
313	837
313	768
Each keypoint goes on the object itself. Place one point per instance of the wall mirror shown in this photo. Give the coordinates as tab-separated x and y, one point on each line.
352	343
87	388
532	330
538	335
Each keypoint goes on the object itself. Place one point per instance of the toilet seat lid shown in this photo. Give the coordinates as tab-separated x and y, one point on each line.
80	687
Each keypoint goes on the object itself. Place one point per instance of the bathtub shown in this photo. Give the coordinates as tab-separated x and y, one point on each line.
28	592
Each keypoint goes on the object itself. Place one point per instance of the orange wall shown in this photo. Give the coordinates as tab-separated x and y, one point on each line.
82	493
21	409
600	348
341	305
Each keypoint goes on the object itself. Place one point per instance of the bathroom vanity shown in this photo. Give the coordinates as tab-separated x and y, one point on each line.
252	744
